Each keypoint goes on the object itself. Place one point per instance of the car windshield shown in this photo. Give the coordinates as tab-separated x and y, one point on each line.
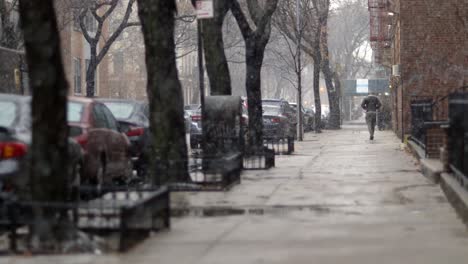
120	110
272	102
7	113
75	111
191	107
271	109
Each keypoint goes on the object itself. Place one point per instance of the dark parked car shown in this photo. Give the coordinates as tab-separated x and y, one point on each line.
15	139
275	122
106	147
133	121
285	111
310	115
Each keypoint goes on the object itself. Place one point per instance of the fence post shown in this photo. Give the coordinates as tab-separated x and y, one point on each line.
13	235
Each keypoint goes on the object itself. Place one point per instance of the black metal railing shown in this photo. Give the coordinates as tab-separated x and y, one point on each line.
421	112
458	136
259	160
206	174
280	145
127	215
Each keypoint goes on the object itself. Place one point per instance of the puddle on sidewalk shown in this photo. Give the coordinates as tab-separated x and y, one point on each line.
221	211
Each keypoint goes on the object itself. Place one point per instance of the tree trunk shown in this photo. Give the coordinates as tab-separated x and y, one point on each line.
213	45
337	82
254	59
91	72
9	38
317	65
164	92
49	159
333	94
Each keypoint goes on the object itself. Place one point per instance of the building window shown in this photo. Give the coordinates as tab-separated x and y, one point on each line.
77	75
118	61
76	20
90	22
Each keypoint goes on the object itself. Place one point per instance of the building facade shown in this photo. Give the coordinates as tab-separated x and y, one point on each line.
424	42
76	57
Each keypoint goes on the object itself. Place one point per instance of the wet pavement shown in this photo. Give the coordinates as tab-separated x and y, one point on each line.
339	199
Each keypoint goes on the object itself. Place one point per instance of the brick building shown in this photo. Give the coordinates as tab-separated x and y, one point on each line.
76	56
424	43
127	68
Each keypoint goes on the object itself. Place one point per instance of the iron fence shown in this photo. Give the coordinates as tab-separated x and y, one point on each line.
127	215
260	160
205	174
421	112
280	145
458	136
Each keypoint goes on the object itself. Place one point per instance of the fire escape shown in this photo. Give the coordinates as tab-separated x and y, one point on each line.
381	28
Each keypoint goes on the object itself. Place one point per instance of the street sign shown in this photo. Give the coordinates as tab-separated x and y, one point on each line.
362	86
204	9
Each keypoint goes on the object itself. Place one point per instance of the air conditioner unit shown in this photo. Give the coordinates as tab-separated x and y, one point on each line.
396	70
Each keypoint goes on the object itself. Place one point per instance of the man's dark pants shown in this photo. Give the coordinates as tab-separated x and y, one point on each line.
371	120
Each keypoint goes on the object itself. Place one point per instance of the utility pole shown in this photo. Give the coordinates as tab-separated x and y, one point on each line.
201	71
300	131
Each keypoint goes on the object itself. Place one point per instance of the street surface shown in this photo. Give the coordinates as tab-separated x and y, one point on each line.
339	199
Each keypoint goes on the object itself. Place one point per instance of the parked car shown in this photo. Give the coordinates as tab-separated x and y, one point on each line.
276	123
285	110
133	121
190	110
15	140
107	155
307	117
325	114
310	116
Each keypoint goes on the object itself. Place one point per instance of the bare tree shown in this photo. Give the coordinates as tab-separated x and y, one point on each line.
331	80
256	40
10	34
285	21
99	12
164	89
49	125
11	42
348	39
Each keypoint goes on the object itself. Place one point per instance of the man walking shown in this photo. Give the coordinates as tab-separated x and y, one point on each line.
371	104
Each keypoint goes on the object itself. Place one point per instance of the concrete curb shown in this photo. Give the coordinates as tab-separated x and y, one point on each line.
417	151
432	169
456	195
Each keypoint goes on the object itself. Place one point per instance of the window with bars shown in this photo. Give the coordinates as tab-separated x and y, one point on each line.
77	75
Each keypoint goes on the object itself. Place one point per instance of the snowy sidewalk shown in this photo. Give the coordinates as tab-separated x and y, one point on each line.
339	199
